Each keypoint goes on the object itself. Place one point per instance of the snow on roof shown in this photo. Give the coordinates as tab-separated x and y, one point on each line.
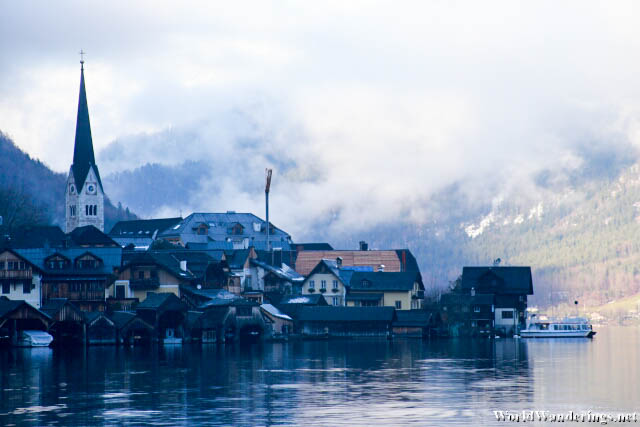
274	311
299	300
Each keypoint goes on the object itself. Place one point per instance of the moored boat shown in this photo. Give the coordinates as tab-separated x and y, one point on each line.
34	339
569	327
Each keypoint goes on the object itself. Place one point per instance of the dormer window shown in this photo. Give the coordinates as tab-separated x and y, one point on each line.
237	229
87	262
366	283
57	262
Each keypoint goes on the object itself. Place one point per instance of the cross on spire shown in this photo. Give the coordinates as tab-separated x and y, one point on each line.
82	54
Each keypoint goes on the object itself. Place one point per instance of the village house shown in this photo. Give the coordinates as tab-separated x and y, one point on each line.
401	290
397	260
149	271
19	278
241	230
78	265
330	280
488	301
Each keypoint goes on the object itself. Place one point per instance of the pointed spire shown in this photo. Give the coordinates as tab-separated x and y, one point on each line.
83	157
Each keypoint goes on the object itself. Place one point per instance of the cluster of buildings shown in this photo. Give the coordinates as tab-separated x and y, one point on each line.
220	276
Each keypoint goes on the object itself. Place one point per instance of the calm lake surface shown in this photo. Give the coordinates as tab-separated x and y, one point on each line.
336	382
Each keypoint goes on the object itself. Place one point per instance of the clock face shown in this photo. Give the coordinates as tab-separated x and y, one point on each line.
91	188
72	189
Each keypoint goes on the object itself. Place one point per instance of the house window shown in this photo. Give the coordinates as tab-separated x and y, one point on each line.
140	275
6	287
312	284
1	265
366	283
323	284
507	314
72	210
335	284
26	287
399	305
336	301
476	309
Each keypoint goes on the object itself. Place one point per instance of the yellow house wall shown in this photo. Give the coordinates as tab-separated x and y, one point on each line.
328	295
389	299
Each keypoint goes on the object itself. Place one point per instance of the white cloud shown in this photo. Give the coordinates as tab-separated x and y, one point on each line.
371	107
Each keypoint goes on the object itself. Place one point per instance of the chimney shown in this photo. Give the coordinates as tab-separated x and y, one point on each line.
363	246
381	268
183	265
339	262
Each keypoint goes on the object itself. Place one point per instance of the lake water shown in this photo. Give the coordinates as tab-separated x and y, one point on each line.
336	382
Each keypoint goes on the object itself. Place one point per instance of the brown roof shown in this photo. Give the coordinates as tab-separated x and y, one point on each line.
307	260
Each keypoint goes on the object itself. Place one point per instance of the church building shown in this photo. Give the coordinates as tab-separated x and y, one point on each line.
84	194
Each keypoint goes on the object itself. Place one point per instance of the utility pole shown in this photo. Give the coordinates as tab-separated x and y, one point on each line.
266	199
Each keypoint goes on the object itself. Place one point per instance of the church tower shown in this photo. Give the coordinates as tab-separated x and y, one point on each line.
84	195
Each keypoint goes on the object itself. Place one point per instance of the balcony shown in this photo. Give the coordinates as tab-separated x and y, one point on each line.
15	274
121	304
418	295
144	284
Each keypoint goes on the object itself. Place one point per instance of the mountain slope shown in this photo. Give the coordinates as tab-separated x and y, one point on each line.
31	193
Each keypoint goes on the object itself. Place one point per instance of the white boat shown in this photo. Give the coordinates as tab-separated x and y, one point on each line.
569	327
34	339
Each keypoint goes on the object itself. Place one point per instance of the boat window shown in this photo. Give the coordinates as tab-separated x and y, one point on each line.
555	327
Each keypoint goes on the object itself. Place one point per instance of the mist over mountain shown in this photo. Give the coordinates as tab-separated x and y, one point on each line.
31	193
553	209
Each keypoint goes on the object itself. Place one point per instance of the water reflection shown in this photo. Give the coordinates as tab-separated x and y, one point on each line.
335	382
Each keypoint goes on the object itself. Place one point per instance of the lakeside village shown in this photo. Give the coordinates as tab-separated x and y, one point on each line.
220	277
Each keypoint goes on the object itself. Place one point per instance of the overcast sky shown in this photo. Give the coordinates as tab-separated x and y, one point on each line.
364	109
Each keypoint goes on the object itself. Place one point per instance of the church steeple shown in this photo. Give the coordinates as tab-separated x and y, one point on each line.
84	196
83	157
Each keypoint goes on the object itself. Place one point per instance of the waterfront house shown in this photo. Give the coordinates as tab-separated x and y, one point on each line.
328	279
68	322
346	321
159	272
279	323
166	313
236	316
78	265
19	315
20	279
415	323
100	329
506	288
401	290
131	329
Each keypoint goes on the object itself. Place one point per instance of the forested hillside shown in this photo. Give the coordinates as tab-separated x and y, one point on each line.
31	193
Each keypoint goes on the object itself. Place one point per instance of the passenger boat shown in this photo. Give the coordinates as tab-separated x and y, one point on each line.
34	339
569	327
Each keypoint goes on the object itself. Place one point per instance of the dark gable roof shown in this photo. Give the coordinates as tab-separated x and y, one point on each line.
161	300
33	266
509	280
37	237
8	306
416	318
346	314
383	281
91	236
143	227
165	260
407	260
83	157
236	259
